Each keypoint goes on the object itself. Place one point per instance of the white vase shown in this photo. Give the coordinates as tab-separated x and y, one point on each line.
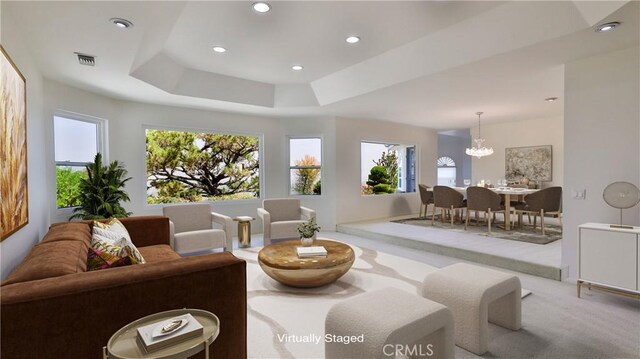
306	242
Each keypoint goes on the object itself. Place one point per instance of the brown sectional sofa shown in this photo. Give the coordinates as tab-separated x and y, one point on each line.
51	307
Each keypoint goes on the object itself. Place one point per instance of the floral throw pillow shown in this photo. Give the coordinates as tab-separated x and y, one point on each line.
100	259
113	238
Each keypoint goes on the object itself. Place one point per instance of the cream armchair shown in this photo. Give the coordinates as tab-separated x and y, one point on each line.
192	230
281	218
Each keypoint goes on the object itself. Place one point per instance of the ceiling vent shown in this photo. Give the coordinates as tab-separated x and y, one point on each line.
86	60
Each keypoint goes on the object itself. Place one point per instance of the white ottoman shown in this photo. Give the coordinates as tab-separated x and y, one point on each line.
476	296
387	323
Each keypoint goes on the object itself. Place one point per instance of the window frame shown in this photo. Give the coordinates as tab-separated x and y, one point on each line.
290	167
416	167
101	147
447	160
261	155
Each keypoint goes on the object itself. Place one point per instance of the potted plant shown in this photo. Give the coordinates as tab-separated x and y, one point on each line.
308	231
102	191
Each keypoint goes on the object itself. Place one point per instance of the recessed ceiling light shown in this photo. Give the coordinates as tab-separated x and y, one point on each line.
261	7
297	67
607	27
121	23
550	99
219	49
352	39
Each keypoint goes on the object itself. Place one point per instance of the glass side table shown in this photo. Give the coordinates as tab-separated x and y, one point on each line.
123	344
244	231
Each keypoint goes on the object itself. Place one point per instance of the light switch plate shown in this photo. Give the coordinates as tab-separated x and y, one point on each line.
579	194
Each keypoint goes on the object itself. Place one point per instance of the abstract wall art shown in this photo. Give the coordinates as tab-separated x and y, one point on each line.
533	163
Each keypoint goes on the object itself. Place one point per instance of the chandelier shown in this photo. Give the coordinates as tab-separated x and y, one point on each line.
479	150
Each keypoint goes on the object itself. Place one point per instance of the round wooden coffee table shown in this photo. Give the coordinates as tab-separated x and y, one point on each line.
280	261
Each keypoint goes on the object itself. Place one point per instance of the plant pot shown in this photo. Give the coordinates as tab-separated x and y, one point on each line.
306	242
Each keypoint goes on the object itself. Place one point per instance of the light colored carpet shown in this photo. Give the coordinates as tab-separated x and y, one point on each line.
277	312
556	324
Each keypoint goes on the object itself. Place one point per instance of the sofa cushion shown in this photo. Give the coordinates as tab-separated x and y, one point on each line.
158	253
282	209
114	233
51	259
194	241
69	231
286	229
189	217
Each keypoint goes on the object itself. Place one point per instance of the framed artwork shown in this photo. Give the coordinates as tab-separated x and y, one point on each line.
14	202
532	162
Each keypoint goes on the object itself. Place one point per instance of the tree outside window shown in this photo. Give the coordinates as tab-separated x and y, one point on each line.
305	166
185	166
387	168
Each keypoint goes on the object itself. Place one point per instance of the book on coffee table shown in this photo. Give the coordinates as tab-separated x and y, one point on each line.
315	251
152	337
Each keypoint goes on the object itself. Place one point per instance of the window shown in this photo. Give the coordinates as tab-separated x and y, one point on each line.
446	171
305	165
187	166
76	143
387	168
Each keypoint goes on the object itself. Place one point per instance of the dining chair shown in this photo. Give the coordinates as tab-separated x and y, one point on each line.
480	199
545	201
447	199
426	198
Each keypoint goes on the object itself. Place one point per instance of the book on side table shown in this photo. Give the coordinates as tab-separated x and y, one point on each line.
162	334
315	251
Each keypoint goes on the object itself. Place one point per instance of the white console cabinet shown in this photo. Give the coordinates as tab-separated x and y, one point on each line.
608	258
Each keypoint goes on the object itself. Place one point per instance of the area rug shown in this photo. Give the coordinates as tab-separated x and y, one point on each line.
283	321
524	234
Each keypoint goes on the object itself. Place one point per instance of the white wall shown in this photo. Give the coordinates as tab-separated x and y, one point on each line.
127	121
545	131
350	205
14	248
61	99
602	140
325	204
340	200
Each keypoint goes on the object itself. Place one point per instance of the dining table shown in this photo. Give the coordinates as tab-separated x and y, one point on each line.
507	192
